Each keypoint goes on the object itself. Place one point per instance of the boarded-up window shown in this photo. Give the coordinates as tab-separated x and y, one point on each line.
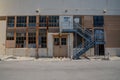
10	43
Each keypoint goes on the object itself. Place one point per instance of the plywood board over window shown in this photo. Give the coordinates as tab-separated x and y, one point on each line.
10	43
2	17
88	21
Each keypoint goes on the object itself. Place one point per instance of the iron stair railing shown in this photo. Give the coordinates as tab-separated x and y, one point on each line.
82	50
86	34
89	42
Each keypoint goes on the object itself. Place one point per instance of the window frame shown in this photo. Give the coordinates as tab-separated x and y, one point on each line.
42	21
53	21
32	39
98	21
21	21
42	38
10	37
10	23
21	40
32	21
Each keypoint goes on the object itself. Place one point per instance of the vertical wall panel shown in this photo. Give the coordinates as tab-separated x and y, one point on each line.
112	30
88	21
2	36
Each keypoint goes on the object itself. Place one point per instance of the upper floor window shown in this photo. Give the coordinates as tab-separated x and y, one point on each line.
10	21
98	21
53	21
32	21
42	21
21	21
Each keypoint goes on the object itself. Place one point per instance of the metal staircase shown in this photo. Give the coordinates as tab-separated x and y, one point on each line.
84	33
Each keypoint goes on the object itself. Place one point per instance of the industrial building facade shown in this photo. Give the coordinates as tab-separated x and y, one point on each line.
47	30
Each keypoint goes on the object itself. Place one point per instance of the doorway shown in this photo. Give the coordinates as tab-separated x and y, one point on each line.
60	46
99	50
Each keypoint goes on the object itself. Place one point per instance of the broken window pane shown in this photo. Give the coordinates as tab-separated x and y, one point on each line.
10	21
20	40
10	35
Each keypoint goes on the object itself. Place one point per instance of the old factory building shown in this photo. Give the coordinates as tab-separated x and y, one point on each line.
59	28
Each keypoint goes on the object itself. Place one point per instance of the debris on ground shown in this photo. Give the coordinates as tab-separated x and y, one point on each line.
11	57
105	59
86	57
83	58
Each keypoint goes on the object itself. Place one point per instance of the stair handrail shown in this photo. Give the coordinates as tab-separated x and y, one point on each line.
81	47
84	29
78	26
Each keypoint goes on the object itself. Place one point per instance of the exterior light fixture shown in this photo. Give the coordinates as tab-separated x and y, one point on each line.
104	11
66	11
37	10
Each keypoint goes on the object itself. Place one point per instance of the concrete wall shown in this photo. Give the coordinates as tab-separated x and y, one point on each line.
43	52
20	51
53	7
50	44
113	51
26	52
90	52
2	36
70	45
112	31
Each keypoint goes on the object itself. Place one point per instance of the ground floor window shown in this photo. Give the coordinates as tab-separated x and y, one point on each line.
20	40
42	38
32	39
10	35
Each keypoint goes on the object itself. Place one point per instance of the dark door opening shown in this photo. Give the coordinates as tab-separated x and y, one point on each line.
99	49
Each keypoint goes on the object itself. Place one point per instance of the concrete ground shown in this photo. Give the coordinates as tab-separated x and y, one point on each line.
60	70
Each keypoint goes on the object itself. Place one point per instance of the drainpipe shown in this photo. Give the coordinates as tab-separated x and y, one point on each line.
37	29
